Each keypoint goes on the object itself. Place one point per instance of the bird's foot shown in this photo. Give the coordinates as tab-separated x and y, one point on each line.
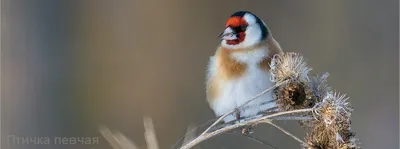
246	130
237	114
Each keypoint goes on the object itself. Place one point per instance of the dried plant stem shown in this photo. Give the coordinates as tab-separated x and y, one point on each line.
293	118
252	99
117	140
190	134
277	118
124	141
286	132
207	135
259	141
110	137
150	133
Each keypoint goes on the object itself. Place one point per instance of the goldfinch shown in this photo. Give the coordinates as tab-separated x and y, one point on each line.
239	69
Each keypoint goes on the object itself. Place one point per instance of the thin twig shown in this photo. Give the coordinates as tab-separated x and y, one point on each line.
252	99
277	118
192	131
294	118
256	121
150	133
109	136
117	140
253	138
259	141
124	141
286	132
190	134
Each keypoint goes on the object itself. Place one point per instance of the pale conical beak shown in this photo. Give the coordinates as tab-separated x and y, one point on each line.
228	34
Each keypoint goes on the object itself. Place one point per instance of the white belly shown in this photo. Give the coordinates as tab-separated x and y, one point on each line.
234	93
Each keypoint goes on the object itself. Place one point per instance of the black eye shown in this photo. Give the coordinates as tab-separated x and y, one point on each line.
243	27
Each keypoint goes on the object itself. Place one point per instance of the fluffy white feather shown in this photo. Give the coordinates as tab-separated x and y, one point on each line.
235	92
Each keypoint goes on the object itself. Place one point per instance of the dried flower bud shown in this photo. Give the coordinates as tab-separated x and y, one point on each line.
292	96
332	130
318	87
333	109
289	66
323	137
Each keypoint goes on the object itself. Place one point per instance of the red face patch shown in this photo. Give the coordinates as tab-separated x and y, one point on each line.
241	37
236	22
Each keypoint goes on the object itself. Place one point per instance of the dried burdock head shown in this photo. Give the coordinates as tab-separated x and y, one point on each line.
349	140
323	137
318	87
291	96
352	143
334	109
332	128
289	66
293	68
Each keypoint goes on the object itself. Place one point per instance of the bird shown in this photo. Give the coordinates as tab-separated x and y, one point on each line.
239	69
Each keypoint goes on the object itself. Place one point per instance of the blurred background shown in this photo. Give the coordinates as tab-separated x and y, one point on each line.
69	66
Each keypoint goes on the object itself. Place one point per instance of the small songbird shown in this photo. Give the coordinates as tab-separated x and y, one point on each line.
239	70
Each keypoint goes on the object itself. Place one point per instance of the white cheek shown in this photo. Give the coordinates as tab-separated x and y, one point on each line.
253	35
250	19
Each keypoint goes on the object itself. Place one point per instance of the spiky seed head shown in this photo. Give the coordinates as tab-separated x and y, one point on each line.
291	96
289	66
333	109
332	128
319	87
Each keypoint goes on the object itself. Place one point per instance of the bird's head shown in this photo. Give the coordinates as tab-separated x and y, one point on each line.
243	30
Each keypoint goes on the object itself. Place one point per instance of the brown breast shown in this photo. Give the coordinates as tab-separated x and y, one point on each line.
273	48
229	68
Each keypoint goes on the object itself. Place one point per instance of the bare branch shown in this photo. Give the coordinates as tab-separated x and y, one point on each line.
293	118
256	121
